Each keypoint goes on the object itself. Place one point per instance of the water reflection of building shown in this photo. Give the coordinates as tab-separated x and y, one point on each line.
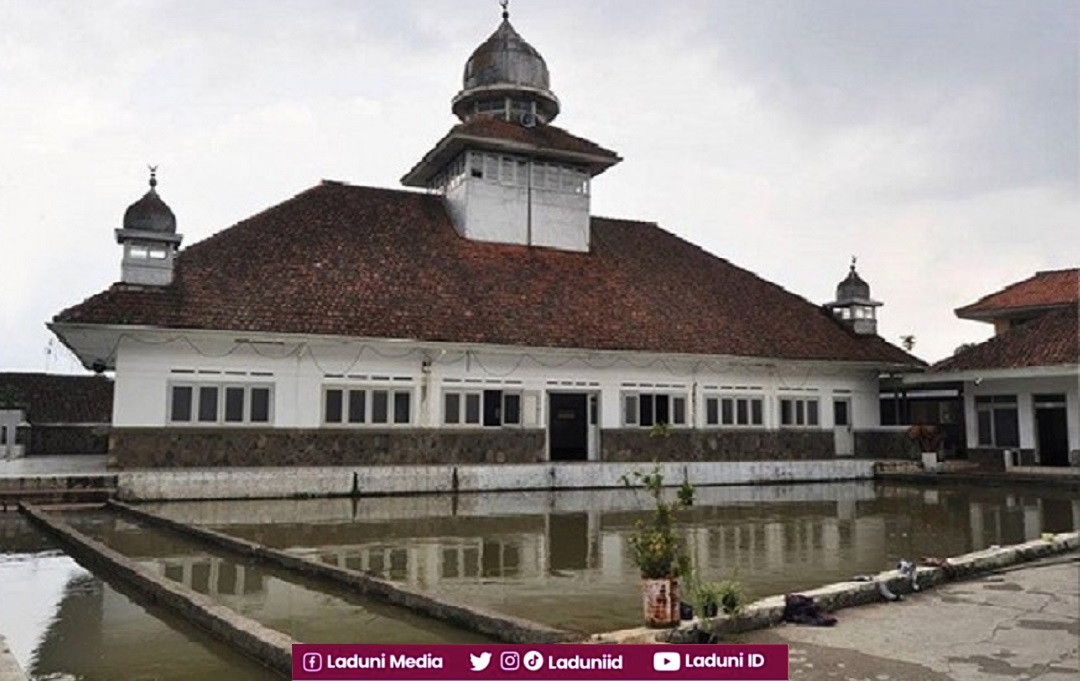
212	575
835	537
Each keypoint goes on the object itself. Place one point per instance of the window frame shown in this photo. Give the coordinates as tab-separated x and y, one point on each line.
221	390
993	407
395	396
478	398
650	401
798	416
733	401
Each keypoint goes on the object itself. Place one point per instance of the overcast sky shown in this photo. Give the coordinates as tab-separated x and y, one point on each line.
937	141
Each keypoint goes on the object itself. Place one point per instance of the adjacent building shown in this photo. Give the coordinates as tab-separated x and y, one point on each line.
485	315
1020	387
54	414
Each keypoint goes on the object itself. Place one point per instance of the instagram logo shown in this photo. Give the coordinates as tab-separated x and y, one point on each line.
510	661
312	662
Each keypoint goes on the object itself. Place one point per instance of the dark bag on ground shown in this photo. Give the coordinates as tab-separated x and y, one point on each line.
801	609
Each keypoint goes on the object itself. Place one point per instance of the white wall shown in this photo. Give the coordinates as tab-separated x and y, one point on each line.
1025	389
148	362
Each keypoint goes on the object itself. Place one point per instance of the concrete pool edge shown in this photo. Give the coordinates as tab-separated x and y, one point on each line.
267	646
372	481
503	628
768	612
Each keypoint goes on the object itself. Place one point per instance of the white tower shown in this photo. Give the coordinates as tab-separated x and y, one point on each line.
506	174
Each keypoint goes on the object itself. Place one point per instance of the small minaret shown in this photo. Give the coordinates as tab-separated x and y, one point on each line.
853	305
149	239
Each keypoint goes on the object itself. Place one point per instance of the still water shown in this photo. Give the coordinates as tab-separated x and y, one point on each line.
64	624
562	558
305	610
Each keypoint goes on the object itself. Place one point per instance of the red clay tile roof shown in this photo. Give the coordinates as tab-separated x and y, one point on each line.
1052	339
364	262
55	398
497	134
1044	290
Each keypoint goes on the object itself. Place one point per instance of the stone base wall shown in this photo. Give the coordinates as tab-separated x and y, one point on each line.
637	445
87	439
994	459
213	447
885	444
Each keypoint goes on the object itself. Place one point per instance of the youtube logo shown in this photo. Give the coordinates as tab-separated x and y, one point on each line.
666	662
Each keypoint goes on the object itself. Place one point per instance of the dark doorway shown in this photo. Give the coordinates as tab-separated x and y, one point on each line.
568	426
1052	430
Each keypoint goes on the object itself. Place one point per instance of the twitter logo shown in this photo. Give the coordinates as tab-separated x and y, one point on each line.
479	662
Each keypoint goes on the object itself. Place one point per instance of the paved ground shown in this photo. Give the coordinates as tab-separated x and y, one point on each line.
9	668
1023	623
52	465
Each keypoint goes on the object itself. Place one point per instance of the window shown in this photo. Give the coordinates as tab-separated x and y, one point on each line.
652	409
361	406
734	411
490	408
799	412
211	403
998	421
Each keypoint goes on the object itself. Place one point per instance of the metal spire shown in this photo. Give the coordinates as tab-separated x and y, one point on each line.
506	8
153	176
853	263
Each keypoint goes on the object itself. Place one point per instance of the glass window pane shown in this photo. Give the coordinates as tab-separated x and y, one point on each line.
712	411
511	409
800	412
1006	428
472	408
785	413
234	405
840	412
812	412
678	416
727	414
402	406
208	404
260	405
757	412
181	403
630	410
986	437
380	406
645	410
357	406
333	406
742	412
452	408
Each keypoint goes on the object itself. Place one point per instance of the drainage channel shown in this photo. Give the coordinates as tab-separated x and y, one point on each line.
60	621
279	599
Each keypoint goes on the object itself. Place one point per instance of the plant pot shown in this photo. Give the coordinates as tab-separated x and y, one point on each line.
660	599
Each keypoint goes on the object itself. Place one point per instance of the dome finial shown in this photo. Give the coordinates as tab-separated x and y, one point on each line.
153	176
506	8
853	259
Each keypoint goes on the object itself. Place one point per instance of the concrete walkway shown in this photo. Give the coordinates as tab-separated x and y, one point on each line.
31	466
9	668
1020	623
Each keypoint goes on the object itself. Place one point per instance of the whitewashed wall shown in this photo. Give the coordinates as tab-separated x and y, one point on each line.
1025	389
147	362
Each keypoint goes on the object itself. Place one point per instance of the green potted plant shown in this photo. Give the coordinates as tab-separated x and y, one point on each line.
659	550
